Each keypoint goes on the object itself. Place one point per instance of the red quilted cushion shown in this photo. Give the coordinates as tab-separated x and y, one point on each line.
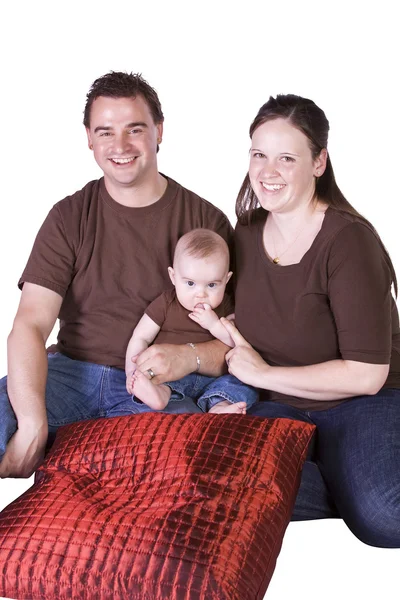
155	507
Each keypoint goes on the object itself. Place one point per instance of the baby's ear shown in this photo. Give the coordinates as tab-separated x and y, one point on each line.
229	276
171	274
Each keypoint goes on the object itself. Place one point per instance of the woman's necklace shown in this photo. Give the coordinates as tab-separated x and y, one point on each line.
277	258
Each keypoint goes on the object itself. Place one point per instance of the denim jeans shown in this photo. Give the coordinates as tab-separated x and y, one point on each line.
208	391
354	467
76	391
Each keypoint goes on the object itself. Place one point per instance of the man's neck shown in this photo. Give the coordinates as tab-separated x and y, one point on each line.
139	195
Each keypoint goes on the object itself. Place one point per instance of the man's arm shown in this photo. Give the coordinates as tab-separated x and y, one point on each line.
174	361
26	383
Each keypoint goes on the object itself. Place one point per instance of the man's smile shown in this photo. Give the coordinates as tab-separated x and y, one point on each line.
123	161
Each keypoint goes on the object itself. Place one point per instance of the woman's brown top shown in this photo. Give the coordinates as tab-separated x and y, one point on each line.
336	303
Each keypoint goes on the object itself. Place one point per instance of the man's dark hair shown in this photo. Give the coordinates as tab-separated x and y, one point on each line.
117	84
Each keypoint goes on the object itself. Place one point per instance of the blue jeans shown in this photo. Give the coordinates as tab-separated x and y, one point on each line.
76	391
354	466
208	391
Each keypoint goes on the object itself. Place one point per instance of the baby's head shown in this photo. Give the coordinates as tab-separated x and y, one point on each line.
200	270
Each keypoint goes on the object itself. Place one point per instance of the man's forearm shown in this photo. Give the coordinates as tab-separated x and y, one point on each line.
169	362
27	374
212	357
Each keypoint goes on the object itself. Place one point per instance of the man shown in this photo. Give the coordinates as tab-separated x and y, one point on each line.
100	257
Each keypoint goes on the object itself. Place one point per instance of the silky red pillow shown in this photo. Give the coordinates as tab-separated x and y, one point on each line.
154	507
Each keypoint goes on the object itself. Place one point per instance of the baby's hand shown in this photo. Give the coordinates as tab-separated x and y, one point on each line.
204	315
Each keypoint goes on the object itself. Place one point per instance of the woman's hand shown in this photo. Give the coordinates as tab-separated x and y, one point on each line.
243	361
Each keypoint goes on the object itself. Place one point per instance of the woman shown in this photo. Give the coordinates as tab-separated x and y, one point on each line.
320	329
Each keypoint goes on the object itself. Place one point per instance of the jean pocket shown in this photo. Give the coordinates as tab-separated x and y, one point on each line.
176	397
137	401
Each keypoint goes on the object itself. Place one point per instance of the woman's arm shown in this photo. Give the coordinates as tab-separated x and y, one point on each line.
332	380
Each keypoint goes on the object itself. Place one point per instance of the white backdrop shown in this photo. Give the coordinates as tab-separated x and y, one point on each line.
213	66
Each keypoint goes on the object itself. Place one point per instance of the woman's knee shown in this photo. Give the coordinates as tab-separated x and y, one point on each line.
375	519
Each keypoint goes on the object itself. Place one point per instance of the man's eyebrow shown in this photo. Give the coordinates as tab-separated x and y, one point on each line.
137	124
127	126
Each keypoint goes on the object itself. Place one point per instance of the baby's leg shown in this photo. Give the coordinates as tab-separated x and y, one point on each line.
155	396
226	394
229	407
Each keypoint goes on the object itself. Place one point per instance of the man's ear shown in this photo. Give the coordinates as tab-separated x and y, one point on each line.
160	129
229	276
89	139
171	274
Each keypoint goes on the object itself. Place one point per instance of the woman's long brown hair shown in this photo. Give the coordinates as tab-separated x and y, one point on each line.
306	116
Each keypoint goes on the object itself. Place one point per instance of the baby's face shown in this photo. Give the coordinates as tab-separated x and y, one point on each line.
200	280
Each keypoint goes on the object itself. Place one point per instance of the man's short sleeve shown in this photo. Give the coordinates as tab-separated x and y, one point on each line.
52	258
225	230
359	288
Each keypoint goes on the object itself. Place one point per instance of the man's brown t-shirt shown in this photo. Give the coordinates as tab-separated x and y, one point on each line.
176	326
109	261
336	303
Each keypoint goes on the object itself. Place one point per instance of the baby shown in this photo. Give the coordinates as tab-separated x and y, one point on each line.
190	314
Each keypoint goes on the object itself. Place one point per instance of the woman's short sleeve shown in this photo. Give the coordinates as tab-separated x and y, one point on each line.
359	289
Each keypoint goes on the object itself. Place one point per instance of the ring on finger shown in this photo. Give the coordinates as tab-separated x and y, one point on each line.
151	373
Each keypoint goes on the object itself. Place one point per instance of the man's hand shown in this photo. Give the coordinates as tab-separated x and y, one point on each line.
24	453
204	316
168	362
243	361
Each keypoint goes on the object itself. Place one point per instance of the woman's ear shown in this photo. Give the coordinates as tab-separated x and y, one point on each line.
320	163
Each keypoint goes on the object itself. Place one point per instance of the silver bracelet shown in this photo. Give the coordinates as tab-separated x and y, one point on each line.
197	357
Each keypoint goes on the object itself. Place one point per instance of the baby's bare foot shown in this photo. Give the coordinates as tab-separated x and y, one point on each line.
129	384
155	396
228	407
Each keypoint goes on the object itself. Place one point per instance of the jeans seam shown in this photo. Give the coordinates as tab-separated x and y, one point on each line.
198	386
221	394
105	372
